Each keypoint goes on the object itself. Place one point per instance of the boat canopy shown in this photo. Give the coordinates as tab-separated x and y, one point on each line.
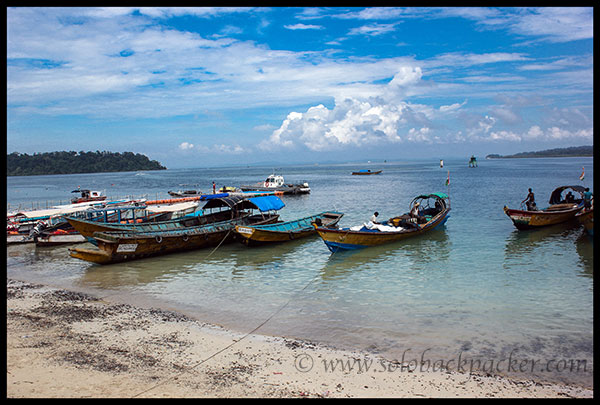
266	203
223	201
440	198
433	195
555	196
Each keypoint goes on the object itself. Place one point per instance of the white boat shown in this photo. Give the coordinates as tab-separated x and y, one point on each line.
276	184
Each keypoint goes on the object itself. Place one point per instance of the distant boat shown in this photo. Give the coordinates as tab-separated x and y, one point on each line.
276	184
434	210
366	172
557	212
441	163
473	161
185	193
286	231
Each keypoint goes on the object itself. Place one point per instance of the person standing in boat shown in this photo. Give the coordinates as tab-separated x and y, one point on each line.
587	199
414	212
530	201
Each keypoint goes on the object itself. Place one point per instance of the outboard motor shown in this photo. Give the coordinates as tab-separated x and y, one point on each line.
37	229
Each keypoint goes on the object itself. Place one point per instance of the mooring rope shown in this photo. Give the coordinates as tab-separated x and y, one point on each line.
281	308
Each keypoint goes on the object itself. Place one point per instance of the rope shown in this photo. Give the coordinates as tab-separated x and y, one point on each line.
223	240
281	308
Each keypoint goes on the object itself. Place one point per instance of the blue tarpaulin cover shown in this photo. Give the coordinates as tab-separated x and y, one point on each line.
268	203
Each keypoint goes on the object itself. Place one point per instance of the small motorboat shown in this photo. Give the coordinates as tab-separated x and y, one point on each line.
560	210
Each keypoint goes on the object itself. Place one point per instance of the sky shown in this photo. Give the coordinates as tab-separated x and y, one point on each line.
205	87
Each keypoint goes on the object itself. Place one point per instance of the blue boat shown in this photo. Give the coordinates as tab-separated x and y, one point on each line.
286	231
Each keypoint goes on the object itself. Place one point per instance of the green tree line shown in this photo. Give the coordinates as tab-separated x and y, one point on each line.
557	152
22	164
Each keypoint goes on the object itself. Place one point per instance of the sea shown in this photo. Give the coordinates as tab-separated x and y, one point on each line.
476	296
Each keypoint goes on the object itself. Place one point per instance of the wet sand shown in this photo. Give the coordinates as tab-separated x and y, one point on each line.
68	344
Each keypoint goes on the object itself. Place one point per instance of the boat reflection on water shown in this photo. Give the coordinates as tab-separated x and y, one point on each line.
417	253
271	256
520	244
585	249
145	271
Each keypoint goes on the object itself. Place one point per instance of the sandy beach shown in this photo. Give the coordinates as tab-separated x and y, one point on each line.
69	344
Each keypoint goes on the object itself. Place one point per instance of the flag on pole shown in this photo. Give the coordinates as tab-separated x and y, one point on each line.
582	174
448	179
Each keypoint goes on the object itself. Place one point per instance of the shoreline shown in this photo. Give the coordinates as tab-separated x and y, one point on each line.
62	343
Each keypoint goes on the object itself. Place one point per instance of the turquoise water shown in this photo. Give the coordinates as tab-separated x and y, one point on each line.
477	288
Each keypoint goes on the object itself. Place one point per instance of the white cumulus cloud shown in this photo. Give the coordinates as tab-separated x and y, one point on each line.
186	146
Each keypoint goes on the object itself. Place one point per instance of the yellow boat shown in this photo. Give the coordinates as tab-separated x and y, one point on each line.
119	246
434	212
557	212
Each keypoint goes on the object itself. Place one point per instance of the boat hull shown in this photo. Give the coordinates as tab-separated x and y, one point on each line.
586	218
285	231
551	216
18	239
285	190
366	173
126	246
88	228
56	240
344	239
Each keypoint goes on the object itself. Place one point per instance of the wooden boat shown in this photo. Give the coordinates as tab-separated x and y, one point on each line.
557	212
23	227
434	210
234	207
366	172
586	218
62	232
119	246
286	231
276	184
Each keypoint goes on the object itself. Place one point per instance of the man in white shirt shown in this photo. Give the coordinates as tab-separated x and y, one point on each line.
374	217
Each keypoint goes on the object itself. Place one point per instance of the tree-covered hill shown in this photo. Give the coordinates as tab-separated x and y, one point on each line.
22	164
558	152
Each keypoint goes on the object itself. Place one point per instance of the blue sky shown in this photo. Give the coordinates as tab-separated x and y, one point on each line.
198	87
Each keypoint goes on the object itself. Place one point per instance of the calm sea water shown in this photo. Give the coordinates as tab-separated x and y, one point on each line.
477	290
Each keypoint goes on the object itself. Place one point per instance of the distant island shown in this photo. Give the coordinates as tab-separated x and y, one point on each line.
22	164
557	152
